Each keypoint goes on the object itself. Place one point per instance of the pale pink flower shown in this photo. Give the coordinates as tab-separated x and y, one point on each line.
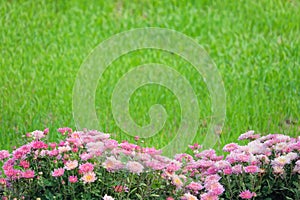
247	194
256	147
237	169
155	164
112	164
212	178
278	169
106	197
110	143
4	154
214	187
134	167
292	156
89	177
281	161
177	181
230	147
183	156
209	196
64	149
248	135
71	165
58	172
222	164
195	186
296	169
152	151
86	156
38	134
188	196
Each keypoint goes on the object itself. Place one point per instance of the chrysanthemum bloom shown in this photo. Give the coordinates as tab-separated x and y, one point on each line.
281	161
4	154
278	169
188	196
89	177
86	167
39	145
73	179
110	144
177	181
134	167
227	171
248	135
28	174
209	196
112	164
214	187
85	156
64	149
58	172
212	178
194	186
237	169
173	166
71	165
222	164
64	130
251	169
38	134
106	197
183	156
170	198
230	147
247	194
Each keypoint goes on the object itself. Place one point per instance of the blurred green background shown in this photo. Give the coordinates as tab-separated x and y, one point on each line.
255	45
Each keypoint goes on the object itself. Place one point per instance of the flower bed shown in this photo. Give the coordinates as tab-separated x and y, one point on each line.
91	165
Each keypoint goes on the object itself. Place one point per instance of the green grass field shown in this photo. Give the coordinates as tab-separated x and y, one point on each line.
255	45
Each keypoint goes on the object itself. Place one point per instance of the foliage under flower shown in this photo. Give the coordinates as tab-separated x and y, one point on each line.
91	165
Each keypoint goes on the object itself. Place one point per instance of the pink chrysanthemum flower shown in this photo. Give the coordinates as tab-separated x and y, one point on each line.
89	177
71	165
230	147
247	194
194	186
251	169
188	196
73	179
4	154
177	181
58	172
249	135
112	164
106	197
38	134
135	167
214	187
28	174
208	196
39	145
86	167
